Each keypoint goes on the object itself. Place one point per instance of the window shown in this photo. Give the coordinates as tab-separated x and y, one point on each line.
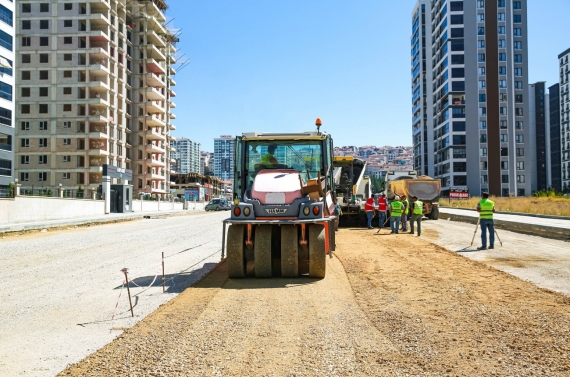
26	8
43	125
44	8
458	86
66	124
457	32
25	126
502	57
503	97
66	176
457	72
483	165
481	84
67	90
480	4
459	153
520	178
43	142
501	16
502	84
504	165
43	75
480	17
44	58
67	57
504	138
517	5
520	152
517	18
24	177
44	24
483	152
519	111
25	143
25	92
504	152
501	30
68	23
25	160
502	43
42	177
501	3
482	111
505	178
502	70
458	126
482	124
67	158
519	125
481	58
26	41
483	138
519	138
456	6
67	107
518	85
43	109
42	159
520	165
518	98
482	98
456	19
457	45
44	41
26	25
484	179
457	59
503	124
481	30
517	45
25	109
66	73
67	141
68	6
502	110
517	32
43	92
518	59
67	40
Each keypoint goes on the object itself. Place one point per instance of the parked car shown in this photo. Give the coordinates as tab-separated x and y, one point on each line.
218	205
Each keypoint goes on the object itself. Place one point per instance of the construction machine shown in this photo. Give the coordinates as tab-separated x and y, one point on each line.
282	216
352	188
408	183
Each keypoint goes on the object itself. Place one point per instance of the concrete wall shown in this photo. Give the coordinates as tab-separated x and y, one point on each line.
150	206
29	208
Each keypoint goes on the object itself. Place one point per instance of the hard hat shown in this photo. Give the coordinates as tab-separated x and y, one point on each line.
397	197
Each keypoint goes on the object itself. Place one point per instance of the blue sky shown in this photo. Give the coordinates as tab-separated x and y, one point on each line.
276	65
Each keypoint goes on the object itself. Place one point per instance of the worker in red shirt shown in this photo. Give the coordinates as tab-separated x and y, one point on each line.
369	208
382	208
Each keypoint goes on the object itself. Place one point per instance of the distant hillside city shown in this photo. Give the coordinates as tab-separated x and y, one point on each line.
380	159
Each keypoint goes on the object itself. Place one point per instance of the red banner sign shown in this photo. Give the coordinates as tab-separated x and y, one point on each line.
455	193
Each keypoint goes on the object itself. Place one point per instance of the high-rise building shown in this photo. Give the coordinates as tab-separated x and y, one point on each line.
565	118
479	71
94	87
539	136
554	154
187	155
224	148
422	104
7	131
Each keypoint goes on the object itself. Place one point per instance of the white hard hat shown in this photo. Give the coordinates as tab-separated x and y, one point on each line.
397	197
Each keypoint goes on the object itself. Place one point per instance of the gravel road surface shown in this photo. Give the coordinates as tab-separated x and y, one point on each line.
396	306
59	288
543	261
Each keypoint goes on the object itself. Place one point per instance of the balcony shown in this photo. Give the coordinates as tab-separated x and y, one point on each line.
155	94
98	148
172	71
98	84
152	134
171	116
155	53
97	131
154	121
172	82
99	19
98	36
171	104
154	38
154	176
155	67
152	148
172	127
155	80
155	107
172	93
172	149
156	161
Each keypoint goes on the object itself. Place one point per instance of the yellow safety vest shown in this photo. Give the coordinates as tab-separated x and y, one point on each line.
266	160
396	208
418	207
486	206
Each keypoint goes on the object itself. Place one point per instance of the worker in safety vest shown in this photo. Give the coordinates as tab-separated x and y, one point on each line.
405	210
486	208
268	160
382	208
417	214
396	215
369	208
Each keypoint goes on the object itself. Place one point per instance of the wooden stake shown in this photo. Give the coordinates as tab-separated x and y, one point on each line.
163	290
128	291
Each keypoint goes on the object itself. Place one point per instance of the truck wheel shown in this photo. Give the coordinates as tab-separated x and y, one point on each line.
236	260
317	256
262	251
434	213
289	251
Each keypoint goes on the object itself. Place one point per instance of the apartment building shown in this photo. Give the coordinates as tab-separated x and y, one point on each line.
565	118
94	87
539	141
6	93
224	149
480	107
187	156
554	155
422	106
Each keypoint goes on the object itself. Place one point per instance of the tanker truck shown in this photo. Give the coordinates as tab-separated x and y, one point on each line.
408	183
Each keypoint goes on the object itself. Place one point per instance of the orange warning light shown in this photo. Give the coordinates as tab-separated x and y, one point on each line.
318	122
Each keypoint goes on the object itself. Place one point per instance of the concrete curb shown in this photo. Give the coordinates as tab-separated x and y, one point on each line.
530	229
514	213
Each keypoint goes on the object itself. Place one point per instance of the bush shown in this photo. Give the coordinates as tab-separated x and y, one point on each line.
550	193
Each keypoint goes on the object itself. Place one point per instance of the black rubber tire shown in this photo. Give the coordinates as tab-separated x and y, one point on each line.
434	213
289	251
235	245
262	251
317	256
